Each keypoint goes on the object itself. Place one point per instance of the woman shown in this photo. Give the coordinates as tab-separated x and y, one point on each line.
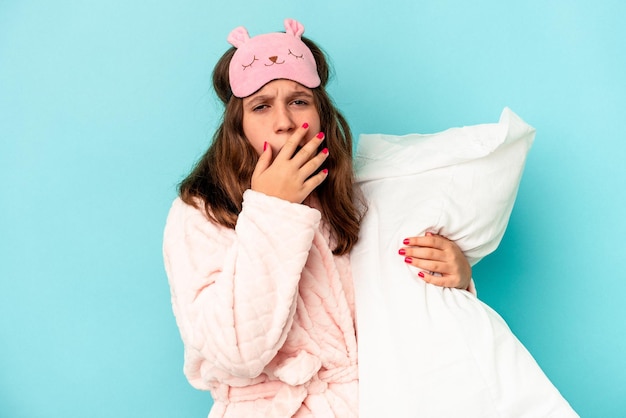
257	245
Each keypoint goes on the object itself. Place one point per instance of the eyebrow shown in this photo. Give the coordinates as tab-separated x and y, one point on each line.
269	97
258	99
300	93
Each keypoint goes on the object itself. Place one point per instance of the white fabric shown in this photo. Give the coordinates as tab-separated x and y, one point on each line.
460	183
426	351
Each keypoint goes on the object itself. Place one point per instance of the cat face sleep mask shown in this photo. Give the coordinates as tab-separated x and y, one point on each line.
268	57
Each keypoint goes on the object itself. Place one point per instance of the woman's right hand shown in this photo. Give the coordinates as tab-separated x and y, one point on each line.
291	175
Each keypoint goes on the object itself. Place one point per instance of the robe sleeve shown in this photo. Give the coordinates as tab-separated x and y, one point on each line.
234	291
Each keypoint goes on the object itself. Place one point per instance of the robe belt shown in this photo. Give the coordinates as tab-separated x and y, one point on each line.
282	391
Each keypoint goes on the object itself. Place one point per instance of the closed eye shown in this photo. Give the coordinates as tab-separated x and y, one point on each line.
297	56
254	58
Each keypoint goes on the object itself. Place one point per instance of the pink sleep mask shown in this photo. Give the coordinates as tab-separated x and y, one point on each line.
268	57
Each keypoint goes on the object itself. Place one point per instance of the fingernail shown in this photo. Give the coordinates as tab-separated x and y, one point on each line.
320	135
402	251
265	146
305	125
421	274
429	234
408	260
325	171
406	241
325	151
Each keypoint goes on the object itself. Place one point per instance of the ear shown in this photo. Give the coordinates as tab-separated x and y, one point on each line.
293	27
238	36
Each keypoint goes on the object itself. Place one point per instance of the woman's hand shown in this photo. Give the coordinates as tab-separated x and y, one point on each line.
292	175
436	254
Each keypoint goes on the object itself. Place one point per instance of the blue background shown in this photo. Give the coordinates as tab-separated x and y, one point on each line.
105	105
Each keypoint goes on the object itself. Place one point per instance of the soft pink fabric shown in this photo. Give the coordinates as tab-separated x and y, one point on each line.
265	311
268	57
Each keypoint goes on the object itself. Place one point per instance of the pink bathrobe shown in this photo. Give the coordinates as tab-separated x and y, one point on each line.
265	311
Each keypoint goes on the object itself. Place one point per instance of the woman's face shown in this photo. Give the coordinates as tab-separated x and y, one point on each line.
273	113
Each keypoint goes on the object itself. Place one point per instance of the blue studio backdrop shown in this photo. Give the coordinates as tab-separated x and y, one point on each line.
105	105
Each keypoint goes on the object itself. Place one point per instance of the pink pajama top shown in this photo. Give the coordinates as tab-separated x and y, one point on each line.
265	311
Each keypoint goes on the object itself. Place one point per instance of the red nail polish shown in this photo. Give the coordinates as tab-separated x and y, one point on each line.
265	146
305	125
325	171
408	260
402	251
320	135
325	151
421	274
406	241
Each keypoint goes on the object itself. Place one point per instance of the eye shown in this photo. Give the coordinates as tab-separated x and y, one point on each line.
300	102
254	58
259	108
297	56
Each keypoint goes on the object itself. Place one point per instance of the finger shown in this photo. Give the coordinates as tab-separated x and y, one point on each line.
291	145
314	181
450	281
441	281
310	149
429	240
314	164
428	265
265	159
424	253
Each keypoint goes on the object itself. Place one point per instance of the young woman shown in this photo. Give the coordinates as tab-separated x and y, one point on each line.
257	245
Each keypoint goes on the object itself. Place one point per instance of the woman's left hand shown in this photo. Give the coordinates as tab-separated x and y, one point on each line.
436	254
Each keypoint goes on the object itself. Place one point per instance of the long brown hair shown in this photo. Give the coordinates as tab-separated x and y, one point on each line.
223	173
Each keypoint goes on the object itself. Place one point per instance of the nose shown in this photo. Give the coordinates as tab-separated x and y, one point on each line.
284	121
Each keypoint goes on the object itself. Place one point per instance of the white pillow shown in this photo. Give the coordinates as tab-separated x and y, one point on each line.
460	183
426	350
